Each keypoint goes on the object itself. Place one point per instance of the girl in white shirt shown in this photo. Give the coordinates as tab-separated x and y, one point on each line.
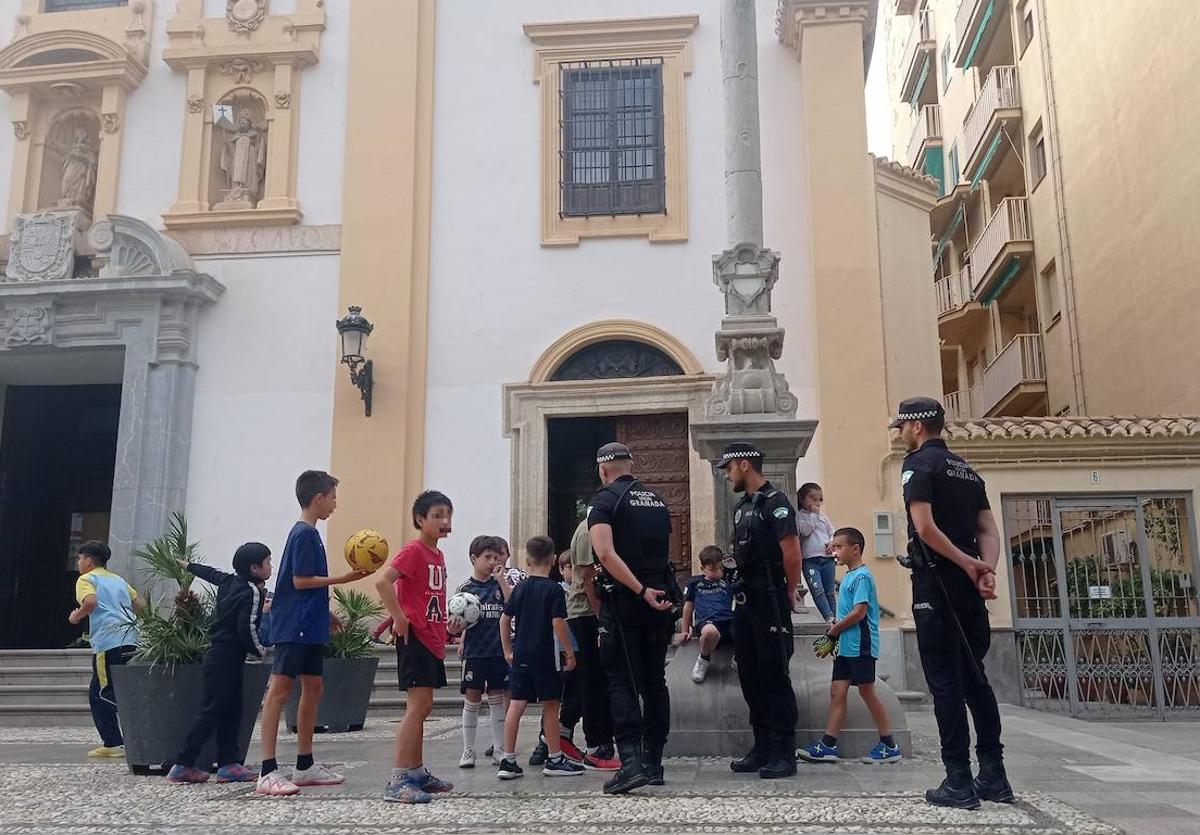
816	540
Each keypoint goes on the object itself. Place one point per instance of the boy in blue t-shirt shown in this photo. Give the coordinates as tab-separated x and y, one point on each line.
857	633
300	626
707	610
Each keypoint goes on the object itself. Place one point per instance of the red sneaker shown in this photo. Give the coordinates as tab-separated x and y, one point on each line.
569	749
595	762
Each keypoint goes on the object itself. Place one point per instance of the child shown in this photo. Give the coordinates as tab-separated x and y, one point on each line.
857	632
539	607
484	667
816	531
413	589
707	610
108	602
234	634
300	625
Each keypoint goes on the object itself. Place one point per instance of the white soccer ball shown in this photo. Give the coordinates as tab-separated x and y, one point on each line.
466	606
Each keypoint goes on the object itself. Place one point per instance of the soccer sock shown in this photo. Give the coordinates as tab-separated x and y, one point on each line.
268	766
496	717
419	772
304	761
829	741
887	740
470	723
398	775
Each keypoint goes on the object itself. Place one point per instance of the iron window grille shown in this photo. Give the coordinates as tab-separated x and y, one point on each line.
73	5
611	120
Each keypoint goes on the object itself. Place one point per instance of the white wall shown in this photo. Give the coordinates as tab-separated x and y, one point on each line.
264	398
498	299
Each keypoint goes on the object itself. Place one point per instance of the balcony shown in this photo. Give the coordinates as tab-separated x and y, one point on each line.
904	7
953	292
999	102
920	78
927	132
976	22
1004	247
958	405
959	313
1015	381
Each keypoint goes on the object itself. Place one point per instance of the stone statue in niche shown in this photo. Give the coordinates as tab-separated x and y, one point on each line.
78	172
244	159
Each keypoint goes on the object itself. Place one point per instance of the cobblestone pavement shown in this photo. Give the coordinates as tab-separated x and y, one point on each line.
1071	777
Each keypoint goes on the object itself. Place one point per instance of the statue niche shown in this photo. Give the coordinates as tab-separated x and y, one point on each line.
69	162
239	152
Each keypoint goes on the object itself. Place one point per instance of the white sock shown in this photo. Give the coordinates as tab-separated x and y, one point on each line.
496	715
470	723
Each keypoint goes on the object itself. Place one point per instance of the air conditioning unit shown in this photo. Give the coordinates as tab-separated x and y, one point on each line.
1118	549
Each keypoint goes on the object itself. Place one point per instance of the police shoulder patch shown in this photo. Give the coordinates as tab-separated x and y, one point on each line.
737	517
905	476
781	513
587	512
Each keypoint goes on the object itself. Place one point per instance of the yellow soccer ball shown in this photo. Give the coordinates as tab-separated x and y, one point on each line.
366	550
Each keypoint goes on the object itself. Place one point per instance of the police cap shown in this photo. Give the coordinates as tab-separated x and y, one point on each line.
739	449
613	452
917	408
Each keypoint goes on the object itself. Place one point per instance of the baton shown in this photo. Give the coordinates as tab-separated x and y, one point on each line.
962	634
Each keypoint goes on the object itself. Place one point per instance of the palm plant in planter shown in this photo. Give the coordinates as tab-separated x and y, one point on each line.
350	665
161	690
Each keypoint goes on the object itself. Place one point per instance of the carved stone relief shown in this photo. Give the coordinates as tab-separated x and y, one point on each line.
617	359
283	100
26	326
245	15
110	122
42	247
195	104
241	70
21	130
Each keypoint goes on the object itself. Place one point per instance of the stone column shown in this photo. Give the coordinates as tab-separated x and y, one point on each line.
281	140
108	169
743	159
193	177
22	113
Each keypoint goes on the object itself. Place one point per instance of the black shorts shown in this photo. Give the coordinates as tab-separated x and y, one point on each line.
416	666
293	660
528	686
480	674
725	627
859	670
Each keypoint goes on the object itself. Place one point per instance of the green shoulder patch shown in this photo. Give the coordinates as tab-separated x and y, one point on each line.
905	476
781	513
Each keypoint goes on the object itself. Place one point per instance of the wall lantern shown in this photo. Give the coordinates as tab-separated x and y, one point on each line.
353	329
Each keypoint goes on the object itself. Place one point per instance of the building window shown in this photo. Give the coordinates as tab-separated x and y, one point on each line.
946	66
1051	295
612	138
73	5
1037	156
1026	28
952	180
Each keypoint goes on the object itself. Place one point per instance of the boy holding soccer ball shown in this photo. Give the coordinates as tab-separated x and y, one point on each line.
413	589
484	667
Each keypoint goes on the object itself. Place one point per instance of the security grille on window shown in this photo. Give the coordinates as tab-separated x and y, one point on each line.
611	117
72	5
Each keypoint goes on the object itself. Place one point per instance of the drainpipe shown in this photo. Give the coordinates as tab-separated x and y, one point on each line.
1064	237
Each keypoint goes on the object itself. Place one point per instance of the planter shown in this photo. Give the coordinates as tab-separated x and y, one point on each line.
348	685
157	706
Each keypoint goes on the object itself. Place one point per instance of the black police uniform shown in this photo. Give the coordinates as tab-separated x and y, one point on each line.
956	494
762	629
641	527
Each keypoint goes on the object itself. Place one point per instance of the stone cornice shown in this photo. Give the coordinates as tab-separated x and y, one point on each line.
791	16
904	183
623	30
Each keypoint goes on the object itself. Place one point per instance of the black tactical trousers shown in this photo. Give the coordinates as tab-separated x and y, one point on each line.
633	650
586	693
954	685
762	644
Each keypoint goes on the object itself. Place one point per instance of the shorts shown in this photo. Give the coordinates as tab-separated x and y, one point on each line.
528	686
725	627
416	666
858	670
293	660
480	674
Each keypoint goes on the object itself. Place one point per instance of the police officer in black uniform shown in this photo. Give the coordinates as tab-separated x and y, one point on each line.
630	528
953	549
767	551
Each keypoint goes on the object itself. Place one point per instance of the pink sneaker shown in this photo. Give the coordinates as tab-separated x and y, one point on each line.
275	785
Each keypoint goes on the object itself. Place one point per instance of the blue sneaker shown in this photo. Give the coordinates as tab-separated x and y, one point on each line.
883	754
819	752
405	791
434	785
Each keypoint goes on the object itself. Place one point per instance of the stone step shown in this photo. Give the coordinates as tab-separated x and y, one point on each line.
10	658
45	675
912	699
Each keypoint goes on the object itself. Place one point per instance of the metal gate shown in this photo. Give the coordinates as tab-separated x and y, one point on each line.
1105	605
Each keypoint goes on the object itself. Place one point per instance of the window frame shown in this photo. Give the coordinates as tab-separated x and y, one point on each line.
1036	155
81	5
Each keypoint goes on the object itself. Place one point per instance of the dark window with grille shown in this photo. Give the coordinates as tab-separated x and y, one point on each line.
612	138
71	5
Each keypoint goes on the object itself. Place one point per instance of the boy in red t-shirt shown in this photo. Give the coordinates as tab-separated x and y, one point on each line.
413	588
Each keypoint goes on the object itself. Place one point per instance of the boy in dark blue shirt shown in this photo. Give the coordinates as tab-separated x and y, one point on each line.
300	625
707	610
539	607
484	667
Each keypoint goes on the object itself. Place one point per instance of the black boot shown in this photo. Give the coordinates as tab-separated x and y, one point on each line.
992	783
632	774
782	760
654	766
956	791
753	760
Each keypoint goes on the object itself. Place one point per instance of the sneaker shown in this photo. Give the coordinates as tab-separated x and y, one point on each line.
560	766
405	791
509	770
110	752
275	785
434	785
181	774
570	750
882	753
955	797
602	760
540	752
236	773
700	670
491	752
819	752
467	760
317	775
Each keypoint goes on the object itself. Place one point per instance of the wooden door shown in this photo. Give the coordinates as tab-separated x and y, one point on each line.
659	444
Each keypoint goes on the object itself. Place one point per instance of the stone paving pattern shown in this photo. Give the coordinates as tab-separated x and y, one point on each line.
1070	776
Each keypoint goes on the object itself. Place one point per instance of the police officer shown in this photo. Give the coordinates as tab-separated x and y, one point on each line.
767	551
953	549
630	529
